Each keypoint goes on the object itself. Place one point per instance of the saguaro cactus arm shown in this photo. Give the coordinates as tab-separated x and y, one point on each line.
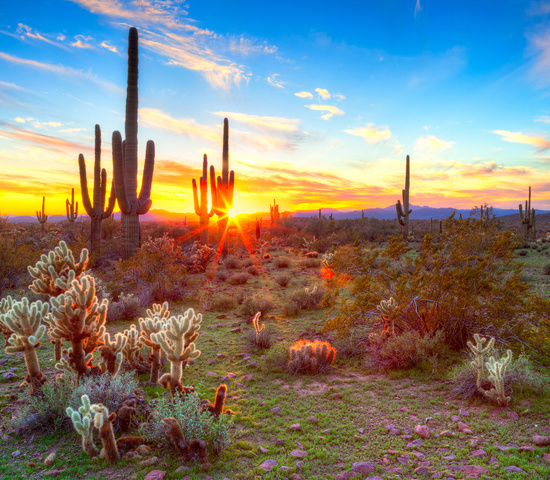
72	210
42	217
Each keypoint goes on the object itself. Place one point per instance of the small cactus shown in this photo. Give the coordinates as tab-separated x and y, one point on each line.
312	356
72	210
42	217
151	324
82	422
111	353
103	421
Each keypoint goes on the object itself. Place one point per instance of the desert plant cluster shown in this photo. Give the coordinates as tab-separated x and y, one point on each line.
342	348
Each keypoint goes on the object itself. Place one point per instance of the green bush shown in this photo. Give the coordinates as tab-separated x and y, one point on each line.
276	359
232	263
222	303
546	268
252	270
283	262
283	280
259	302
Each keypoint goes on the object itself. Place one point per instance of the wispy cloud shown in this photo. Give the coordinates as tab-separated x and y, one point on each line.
339	96
268	123
417	8
155	118
323	93
109	47
82	41
272	80
370	133
62	71
538	141
247	46
331	110
25	31
543	119
431	144
304	94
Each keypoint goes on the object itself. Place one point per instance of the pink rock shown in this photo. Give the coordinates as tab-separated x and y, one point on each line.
462	426
298	453
295	427
471	469
478	453
541	441
267	465
363	467
155	475
422	431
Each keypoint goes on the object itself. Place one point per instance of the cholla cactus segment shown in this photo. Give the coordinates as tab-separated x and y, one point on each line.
159	311
257	327
497	370
386	307
103	421
153	323
326	260
132	349
313	356
54	273
82	423
5	306
111	353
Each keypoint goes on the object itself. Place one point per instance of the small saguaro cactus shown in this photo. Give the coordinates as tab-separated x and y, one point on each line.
72	209
528	219
274	212
201	202
96	211
24	321
403	211
222	192
103	421
313	356
125	161
42	217
177	340
151	324
82	423
111	353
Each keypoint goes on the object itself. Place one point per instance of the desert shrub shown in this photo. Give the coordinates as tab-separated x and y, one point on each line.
221	275
354	344
310	356
467	283
202	254
291	309
232	263
306	297
157	273
406	350
252	270
261	336
126	308
194	422
239	278
248	262
546	268
283	262
222	303
522	252
276	359
14	259
312	263
283	280
259	302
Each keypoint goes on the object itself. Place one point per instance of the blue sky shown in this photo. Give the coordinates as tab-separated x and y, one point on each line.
324	101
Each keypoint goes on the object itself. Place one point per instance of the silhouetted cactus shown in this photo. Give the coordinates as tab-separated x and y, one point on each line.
97	212
42	217
125	161
72	209
528	220
403	211
274	212
201	202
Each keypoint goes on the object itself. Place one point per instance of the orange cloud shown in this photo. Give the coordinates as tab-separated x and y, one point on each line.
370	133
109	47
263	122
186	126
332	110
542	143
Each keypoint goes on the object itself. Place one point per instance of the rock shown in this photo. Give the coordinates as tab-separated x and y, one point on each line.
456	418
276	410
300	446
493	460
514	469
419	455
9	376
446	433
478	453
253	363
231	375
415	444
212	374
546	457
527	449
295	427
221	316
53	473
449	457
403	459
541	441
143	450
363	467
421	471
462	426
267	465
337	396
512	415
16	453
404	409
262	449
394	431
155	475
149	462
236	330
327	431
298	453
422	431
313	419
248	378
284	468
374	477
464	412
470	469
49	459
280	441
182	468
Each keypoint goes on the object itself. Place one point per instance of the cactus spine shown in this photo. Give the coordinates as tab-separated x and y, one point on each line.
42	217
274	212
201	208
403	211
25	323
72	210
528	220
125	161
222	192
97	212
82	423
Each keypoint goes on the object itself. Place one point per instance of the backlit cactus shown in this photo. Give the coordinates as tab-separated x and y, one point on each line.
403	211
311	356
72	208
103	421
41	216
25	323
125	161
387	309
96	211
132	350
82	423
153	323
111	353
5	306
274	212
201	202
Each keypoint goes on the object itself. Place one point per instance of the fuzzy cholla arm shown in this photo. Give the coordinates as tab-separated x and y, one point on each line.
5	307
103	421
177	340
82	423
497	370
25	323
77	316
132	350
54	272
111	353
153	323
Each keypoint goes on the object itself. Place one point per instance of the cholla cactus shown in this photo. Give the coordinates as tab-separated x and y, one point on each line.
387	308
111	353
313	356
78	316
103	421
153	323
132	349
326	260
25	323
257	327
177	340
5	307
82	422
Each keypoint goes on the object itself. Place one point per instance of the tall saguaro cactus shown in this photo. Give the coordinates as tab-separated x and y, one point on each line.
72	210
222	192
528	220
403	211
42	217
201	203
97	211
274	212
125	160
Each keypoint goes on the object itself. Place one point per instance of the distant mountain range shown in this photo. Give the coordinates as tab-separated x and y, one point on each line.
387	213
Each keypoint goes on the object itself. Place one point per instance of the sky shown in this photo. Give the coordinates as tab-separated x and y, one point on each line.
324	99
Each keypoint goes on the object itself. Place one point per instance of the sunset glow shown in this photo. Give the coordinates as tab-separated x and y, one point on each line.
324	102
